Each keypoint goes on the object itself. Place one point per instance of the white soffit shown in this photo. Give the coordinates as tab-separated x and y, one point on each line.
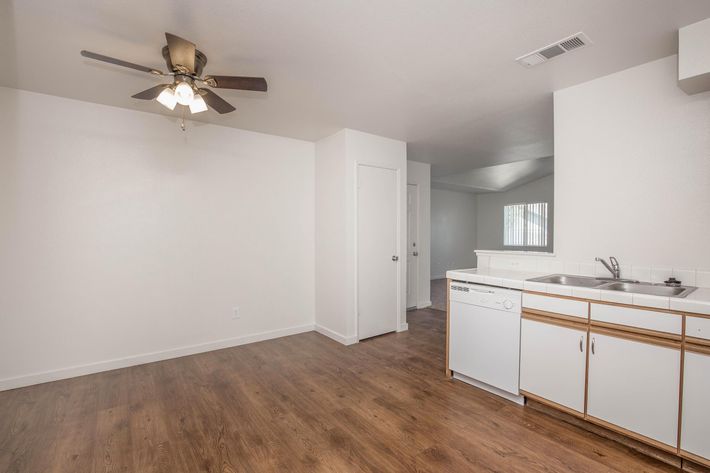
497	178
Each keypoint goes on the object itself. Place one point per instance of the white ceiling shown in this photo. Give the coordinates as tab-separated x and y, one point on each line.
438	74
498	178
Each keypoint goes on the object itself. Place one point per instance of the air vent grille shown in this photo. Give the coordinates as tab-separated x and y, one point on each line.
549	53
573	43
555	49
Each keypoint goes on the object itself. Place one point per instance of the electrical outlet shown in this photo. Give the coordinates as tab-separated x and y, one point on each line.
235	313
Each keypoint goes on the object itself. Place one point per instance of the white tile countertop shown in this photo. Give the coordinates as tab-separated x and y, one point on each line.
697	301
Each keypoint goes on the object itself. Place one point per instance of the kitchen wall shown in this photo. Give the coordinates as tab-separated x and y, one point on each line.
124	240
453	231
489	211
337	158
420	174
632	170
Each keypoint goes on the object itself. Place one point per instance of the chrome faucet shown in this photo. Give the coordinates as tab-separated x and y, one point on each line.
614	268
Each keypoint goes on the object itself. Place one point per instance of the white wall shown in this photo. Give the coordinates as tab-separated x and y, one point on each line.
125	240
337	158
420	175
333	295
453	231
489	211
632	169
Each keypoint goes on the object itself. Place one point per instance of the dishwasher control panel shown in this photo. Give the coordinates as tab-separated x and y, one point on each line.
486	296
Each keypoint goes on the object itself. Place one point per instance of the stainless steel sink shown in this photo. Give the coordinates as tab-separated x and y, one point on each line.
622	285
567	280
651	289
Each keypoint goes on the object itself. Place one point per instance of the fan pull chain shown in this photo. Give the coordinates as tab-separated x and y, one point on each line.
182	119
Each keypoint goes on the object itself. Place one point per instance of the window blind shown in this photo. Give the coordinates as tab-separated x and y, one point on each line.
525	224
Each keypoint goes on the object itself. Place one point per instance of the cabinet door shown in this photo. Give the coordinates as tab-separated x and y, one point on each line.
635	385
695	436
553	362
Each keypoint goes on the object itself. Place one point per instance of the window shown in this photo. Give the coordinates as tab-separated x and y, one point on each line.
525	225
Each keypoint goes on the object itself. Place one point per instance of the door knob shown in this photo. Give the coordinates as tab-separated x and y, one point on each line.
416	253
395	258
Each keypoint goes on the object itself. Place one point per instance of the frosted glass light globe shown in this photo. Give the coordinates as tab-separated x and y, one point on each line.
184	93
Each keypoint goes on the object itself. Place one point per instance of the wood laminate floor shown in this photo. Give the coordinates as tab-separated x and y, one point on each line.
299	403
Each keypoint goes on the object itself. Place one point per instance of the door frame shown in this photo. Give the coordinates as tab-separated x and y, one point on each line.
416	238
398	324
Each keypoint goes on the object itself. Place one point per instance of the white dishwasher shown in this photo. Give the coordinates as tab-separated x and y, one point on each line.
484	338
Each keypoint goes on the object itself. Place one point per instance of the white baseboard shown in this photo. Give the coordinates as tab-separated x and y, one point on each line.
403	327
81	370
338	337
424	305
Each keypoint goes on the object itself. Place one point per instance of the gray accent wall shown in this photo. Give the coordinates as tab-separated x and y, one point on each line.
489	211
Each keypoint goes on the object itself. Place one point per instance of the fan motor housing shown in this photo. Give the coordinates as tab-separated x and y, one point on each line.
200	60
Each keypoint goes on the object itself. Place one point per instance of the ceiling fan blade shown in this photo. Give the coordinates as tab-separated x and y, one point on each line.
182	52
150	94
236	82
120	62
216	102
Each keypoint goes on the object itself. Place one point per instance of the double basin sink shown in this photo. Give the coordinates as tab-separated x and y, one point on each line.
622	285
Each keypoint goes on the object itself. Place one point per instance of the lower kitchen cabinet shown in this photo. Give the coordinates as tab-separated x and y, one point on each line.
553	362
634	385
695	434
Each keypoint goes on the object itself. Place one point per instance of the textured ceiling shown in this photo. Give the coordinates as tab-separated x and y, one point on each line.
437	74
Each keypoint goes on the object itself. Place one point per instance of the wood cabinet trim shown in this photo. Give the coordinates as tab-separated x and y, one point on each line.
701	349
633	435
693	314
555	319
636	337
697	341
554	315
553	404
636	330
680	389
447	371
695	458
586	361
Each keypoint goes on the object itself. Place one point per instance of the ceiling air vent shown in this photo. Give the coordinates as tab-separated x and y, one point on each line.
558	48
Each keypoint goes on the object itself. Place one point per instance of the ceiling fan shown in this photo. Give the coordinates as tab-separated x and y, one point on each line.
185	65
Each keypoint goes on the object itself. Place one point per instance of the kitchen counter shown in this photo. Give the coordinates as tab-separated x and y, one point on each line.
696	302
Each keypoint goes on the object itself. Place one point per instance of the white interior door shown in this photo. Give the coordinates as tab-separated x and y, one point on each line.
412	245
377	258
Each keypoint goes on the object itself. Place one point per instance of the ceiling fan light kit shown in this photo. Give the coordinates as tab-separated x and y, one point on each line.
185	64
198	104
167	98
